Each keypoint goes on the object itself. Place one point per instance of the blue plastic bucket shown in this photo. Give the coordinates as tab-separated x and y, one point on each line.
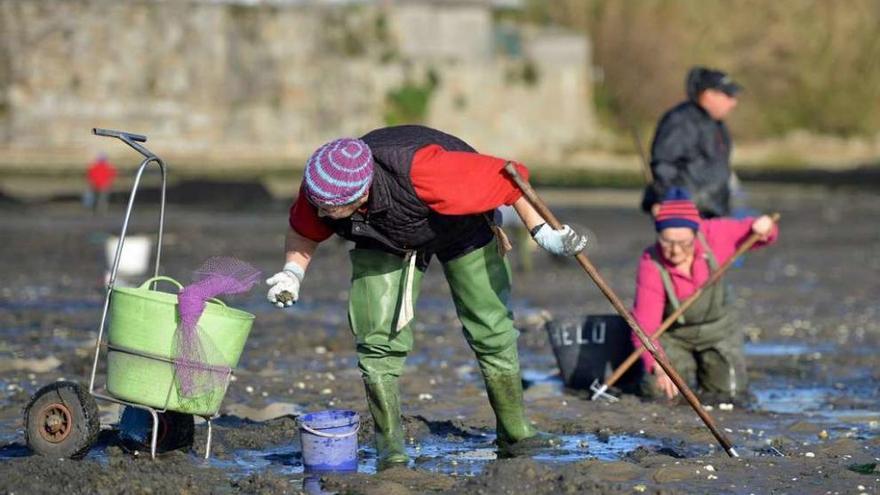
329	440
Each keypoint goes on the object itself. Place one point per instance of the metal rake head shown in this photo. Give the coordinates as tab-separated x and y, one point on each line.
600	391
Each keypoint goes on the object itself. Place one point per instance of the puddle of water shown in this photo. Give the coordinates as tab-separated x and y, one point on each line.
816	403
587	446
468	456
285	459
13	450
771	349
792	400
12	443
465	456
542	383
854	415
455	456
10	432
542	376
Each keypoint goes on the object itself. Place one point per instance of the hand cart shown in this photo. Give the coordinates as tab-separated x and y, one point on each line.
62	419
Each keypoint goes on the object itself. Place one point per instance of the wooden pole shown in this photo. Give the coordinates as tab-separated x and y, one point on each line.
646	165
615	301
670	320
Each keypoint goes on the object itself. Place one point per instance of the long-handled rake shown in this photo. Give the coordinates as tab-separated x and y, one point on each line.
600	390
615	301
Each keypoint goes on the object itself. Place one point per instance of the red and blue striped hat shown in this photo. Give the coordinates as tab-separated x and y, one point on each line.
677	210
339	172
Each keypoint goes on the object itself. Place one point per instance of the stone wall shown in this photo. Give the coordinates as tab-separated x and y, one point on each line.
268	82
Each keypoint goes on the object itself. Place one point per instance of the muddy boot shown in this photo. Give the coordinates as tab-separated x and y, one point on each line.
384	402
515	436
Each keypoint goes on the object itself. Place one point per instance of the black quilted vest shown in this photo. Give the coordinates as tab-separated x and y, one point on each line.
396	220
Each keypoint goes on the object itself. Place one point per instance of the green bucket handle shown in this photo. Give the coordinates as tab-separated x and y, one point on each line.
162	278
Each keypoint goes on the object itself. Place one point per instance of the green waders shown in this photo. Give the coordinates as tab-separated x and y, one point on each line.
704	345
480	286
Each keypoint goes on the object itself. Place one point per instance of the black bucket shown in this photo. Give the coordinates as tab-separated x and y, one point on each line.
589	349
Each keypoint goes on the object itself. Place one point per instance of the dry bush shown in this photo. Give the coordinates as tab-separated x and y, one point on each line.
805	64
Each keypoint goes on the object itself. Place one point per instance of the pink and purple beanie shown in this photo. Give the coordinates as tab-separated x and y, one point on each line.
339	172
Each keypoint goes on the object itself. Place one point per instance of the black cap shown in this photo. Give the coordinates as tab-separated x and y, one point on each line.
700	79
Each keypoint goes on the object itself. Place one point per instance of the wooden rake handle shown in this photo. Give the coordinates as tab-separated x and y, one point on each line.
687	303
615	301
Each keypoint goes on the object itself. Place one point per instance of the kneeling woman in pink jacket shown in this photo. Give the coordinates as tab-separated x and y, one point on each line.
705	345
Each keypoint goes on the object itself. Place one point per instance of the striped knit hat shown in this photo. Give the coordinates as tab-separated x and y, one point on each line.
677	210
339	172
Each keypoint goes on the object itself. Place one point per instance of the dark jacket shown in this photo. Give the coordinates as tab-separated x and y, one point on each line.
396	220
691	150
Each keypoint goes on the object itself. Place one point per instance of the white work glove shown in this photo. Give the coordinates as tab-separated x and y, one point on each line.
562	242
285	285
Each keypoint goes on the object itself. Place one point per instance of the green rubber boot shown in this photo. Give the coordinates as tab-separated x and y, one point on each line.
480	285
384	402
378	281
515	435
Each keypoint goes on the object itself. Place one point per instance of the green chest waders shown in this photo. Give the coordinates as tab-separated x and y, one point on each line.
704	344
480	286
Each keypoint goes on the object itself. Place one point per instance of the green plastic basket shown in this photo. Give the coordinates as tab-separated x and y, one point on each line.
141	340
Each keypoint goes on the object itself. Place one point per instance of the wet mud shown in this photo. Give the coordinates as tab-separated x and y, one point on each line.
808	308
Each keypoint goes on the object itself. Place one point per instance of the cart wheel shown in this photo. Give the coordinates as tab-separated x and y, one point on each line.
61	420
176	430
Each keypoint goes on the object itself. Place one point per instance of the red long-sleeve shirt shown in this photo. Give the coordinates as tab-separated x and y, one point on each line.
449	182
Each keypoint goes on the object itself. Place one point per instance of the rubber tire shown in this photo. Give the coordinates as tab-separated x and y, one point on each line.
86	423
176	430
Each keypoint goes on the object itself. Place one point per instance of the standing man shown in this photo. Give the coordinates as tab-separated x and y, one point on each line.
692	145
404	195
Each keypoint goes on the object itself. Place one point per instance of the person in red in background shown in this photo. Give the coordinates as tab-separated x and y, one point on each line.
705	345
100	175
404	195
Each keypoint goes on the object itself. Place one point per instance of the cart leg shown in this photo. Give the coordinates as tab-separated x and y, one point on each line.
208	443
155	436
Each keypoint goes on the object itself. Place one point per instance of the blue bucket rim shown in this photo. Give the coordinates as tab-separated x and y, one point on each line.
349	418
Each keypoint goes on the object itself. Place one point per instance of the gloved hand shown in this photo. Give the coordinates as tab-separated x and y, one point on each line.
563	242
285	285
763	226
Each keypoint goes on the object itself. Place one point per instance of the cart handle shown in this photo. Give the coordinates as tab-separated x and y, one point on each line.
119	134
161	278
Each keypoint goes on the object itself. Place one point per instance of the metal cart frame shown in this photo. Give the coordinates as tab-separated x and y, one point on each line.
133	141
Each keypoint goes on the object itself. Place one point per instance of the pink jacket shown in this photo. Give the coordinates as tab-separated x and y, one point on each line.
723	235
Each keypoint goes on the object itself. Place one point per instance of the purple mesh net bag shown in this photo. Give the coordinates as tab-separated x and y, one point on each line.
195	357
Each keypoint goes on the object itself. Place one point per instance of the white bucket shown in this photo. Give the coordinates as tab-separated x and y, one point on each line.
135	258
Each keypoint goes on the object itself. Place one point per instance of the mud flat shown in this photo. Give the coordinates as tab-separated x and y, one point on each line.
808	307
